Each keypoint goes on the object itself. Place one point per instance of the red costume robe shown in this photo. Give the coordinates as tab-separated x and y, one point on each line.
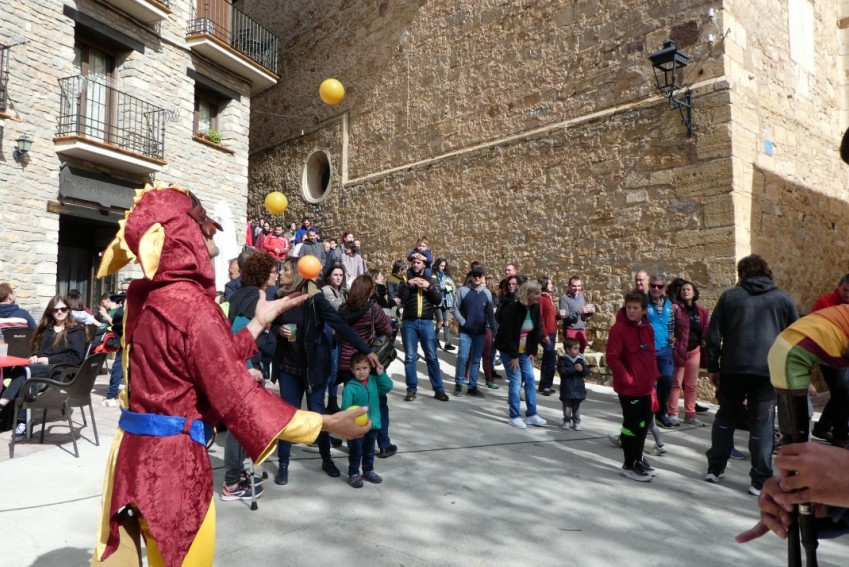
182	360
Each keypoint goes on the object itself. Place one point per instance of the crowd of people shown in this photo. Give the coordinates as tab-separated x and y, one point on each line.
661	339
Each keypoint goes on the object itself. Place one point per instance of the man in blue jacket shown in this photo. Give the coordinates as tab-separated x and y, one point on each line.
473	311
663	323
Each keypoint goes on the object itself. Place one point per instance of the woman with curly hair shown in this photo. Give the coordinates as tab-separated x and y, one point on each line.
59	338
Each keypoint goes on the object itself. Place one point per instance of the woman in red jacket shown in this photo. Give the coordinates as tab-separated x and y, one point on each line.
691	326
548	316
631	358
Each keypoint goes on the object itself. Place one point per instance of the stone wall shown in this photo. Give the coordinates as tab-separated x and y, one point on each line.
157	76
789	183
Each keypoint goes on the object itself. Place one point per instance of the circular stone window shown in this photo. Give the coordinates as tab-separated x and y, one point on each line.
315	179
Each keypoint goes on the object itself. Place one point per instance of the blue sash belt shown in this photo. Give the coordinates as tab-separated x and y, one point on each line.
164	426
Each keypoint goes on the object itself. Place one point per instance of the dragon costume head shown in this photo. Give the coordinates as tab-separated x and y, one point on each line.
165	232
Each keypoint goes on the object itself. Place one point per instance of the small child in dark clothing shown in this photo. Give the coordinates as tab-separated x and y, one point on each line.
364	391
572	369
421	248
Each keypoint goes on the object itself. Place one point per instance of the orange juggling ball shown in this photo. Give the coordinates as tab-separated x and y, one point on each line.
309	267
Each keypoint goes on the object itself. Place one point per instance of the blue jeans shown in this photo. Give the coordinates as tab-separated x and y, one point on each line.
117	376
332	388
361	449
471	346
292	390
516	377
664	383
411	332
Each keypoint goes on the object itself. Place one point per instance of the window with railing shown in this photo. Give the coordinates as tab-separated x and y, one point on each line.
221	20
92	107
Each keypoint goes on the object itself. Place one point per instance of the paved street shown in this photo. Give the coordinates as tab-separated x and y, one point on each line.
465	489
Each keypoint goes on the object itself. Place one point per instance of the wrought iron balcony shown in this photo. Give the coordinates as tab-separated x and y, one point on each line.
99	123
218	30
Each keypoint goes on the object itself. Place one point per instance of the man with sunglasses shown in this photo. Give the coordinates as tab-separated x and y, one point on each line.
663	323
474	310
187	373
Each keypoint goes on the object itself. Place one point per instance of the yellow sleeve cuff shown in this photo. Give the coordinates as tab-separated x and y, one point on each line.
304	427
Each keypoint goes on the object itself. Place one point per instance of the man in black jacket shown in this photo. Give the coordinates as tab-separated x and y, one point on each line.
419	296
743	326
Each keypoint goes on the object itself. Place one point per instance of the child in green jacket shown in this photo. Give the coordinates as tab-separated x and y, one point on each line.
364	390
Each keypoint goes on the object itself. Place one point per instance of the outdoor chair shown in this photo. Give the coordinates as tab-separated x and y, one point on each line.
68	387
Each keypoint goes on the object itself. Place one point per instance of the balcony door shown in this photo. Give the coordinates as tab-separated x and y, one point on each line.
217	17
95	69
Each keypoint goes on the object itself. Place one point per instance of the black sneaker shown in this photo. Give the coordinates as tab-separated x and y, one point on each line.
441	396
386	452
355	481
330	469
411	395
475	393
701	408
650	470
245	478
823	433
546	391
458	390
449	347
282	476
240	491
635	472
714	476
372	477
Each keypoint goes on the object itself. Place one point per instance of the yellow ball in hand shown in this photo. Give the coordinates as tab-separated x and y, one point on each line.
360	420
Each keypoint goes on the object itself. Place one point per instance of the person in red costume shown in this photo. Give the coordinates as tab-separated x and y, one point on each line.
186	373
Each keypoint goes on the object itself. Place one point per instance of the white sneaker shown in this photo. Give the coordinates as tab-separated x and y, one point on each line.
566	425
110	402
517	423
535	420
21	430
578	427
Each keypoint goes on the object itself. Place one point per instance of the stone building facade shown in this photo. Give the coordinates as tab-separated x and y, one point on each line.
533	132
116	94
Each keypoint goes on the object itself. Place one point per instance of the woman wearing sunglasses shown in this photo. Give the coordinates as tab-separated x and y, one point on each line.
59	338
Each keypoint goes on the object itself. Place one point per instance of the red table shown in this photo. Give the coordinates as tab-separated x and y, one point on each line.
9	361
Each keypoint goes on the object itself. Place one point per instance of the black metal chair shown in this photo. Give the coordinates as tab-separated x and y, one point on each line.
68	387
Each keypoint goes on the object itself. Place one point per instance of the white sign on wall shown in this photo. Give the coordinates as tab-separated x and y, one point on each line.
801	27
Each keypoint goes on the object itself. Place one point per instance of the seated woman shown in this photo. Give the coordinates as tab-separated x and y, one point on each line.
59	338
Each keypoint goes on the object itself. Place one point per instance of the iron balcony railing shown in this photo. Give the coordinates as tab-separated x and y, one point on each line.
94	108
220	19
4	77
